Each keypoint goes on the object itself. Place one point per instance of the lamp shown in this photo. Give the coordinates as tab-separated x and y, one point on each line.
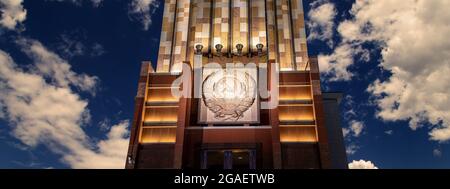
219	48
198	49
239	48
260	47
130	160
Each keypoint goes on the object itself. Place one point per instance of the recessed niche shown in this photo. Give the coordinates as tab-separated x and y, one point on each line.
161	114
296	113
158	135
294	93
161	96
298	134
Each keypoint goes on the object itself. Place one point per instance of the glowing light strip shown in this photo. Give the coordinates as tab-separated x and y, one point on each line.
163	87
293	86
159	127
162	106
296	105
296	126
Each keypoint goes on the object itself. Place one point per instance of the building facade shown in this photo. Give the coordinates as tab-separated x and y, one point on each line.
233	88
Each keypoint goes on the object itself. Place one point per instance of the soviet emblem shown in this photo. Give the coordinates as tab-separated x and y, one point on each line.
229	94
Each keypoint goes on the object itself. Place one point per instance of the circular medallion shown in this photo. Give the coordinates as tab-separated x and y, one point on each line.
229	94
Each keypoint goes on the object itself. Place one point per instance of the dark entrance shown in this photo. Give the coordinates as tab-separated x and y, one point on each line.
229	159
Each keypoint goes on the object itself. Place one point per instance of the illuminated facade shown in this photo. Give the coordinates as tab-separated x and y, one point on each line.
259	105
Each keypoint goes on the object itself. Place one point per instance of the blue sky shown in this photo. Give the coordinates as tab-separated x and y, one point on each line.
105	41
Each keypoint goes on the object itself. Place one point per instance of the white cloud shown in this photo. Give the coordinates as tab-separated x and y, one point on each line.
71	46
97	49
42	109
351	149
413	35
108	153
389	132
96	3
355	129
321	21
74	43
345	132
12	13
55	68
437	153
361	164
335	66
142	10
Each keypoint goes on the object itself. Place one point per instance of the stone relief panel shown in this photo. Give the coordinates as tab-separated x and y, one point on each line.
229	96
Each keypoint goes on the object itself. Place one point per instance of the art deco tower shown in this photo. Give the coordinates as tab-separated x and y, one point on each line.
226	117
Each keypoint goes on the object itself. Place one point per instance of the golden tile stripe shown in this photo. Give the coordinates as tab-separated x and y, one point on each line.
284	35
165	47
221	21
200	25
271	31
258	31
240	24
301	51
181	35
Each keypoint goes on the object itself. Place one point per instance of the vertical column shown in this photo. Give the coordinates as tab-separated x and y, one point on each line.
204	160
322	133
200	26
272	37
240	25
146	68
165	47
252	159
183	116
299	33
274	120
284	35
221	21
228	160
258	26
181	35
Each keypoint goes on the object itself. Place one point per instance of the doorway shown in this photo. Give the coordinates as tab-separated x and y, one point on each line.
229	159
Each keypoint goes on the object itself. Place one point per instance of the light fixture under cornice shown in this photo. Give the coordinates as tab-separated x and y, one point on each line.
198	49
239	48
219	48
260	47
